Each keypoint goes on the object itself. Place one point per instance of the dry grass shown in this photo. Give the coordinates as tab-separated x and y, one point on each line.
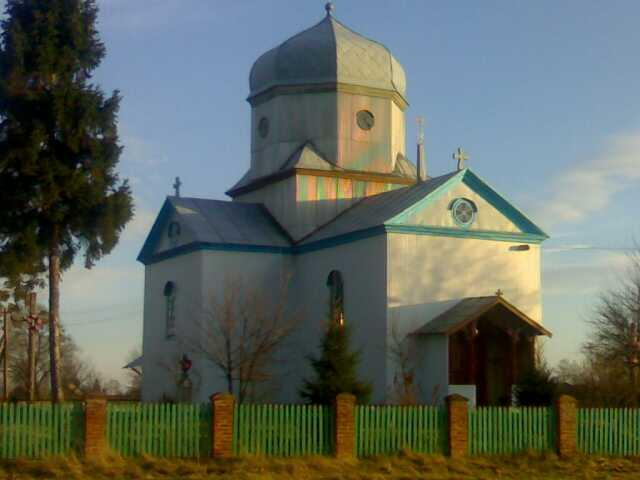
406	466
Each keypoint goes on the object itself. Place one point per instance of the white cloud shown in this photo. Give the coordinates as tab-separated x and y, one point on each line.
589	186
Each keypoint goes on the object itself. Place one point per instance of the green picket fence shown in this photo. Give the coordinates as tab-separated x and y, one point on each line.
506	430
161	430
388	429
283	430
609	431
40	430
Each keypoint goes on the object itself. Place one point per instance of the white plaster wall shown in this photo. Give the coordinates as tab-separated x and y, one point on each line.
256	272
363	268
432	362
428	275
197	276
160	355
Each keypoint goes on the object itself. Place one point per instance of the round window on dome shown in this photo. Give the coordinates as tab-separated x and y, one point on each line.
365	119
263	127
464	212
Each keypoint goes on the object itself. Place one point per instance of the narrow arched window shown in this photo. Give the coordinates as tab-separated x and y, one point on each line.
336	297
170	309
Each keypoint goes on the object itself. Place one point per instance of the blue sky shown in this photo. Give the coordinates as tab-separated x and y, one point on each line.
543	95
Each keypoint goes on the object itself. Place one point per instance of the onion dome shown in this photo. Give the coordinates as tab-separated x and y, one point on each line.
328	53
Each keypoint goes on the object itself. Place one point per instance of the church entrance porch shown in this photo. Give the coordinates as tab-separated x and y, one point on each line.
490	345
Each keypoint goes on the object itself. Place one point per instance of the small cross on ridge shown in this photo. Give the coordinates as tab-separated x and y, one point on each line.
461	156
176	186
499	293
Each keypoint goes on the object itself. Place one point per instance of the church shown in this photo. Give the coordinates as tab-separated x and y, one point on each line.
441	263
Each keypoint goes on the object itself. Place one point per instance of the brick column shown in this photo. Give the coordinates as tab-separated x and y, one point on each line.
95	426
345	426
458	425
222	407
567	410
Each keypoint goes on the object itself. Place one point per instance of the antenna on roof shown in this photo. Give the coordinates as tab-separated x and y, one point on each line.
421	162
176	186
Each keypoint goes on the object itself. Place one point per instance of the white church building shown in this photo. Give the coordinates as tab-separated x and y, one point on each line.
330	198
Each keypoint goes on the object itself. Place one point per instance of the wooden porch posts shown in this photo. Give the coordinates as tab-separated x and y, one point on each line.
471	334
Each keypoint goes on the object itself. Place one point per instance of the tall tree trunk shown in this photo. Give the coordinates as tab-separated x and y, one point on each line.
54	316
32	365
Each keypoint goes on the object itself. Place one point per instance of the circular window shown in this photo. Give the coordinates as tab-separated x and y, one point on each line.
464	212
365	119
263	127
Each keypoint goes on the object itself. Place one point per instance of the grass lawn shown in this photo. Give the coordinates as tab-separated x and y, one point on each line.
406	466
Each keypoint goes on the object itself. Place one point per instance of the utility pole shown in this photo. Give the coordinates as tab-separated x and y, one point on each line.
34	324
5	355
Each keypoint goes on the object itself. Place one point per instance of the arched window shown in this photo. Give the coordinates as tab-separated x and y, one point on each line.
170	309
336	297
173	232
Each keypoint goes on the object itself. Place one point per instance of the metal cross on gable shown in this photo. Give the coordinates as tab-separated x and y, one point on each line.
176	186
461	156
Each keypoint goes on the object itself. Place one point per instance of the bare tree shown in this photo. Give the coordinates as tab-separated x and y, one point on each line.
241	332
404	390
615	327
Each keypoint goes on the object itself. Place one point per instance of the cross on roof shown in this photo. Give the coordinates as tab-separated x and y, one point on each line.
461	156
176	185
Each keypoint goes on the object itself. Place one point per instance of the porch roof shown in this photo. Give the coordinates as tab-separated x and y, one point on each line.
470	309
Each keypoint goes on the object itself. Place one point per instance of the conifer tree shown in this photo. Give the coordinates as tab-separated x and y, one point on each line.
335	369
59	190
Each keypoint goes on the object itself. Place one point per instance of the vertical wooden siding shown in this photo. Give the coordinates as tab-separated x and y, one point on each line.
161	430
388	429
40	430
283	430
505	430
609	431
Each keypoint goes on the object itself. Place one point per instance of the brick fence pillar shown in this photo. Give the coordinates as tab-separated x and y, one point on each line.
345	426
457	425
222	407
567	410
95	426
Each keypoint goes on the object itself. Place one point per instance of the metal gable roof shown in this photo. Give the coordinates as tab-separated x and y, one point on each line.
217	222
470	309
387	209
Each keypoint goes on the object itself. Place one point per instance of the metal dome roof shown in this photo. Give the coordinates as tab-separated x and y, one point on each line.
328	52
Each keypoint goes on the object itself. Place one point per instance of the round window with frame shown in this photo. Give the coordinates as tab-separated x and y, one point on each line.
464	212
